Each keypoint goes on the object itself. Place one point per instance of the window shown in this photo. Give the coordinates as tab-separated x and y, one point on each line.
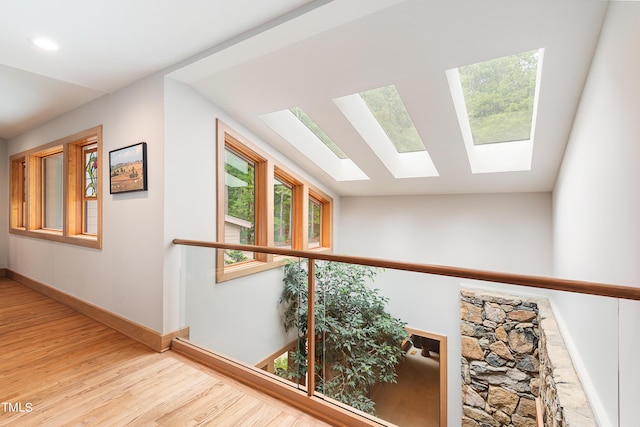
56	190
319	133
282	214
18	193
499	96
239	204
261	203
315	222
52	192
383	122
299	130
388	109
90	194
496	103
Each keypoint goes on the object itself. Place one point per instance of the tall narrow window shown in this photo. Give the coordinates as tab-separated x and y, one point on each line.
282	214
315	223
90	194
23	179
18	193
52	173
240	203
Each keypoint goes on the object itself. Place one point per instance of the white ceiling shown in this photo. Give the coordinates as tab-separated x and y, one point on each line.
251	58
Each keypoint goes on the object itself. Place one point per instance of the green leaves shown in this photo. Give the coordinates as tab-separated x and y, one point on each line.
357	341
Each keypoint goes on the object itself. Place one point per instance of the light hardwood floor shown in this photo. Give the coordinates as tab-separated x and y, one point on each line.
61	368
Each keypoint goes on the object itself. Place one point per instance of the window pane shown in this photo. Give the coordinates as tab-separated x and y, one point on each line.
52	172
499	96
239	222
91	171
282	214
23	216
315	219
319	133
90	217
388	109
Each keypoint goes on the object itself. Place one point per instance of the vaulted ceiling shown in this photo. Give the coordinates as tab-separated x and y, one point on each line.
252	58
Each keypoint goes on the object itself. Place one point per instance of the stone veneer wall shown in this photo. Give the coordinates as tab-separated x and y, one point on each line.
500	365
563	399
512	353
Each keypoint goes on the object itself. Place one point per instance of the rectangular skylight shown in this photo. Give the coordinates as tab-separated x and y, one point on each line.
313	127
382	121
387	107
496	103
499	96
298	134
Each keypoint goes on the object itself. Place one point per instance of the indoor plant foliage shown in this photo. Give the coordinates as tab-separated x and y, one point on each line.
358	344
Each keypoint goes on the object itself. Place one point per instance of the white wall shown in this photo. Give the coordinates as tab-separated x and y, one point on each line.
4	197
596	213
240	317
499	232
125	277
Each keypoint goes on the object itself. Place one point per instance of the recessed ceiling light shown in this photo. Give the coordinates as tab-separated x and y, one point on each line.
44	43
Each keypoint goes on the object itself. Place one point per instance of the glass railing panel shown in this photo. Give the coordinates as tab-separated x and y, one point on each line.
241	319
367	355
380	338
293	306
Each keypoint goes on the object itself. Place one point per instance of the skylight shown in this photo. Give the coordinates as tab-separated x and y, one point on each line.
499	96
388	109
297	128
496	103
313	127
381	119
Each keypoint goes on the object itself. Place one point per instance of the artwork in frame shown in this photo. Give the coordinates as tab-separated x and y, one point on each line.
128	169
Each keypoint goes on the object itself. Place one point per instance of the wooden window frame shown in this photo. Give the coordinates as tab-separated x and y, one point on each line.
81	213
31	184
297	190
326	217
266	169
17	217
41	203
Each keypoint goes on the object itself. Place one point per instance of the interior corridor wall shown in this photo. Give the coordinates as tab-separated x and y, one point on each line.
498	232
125	277
4	198
597	219
239	317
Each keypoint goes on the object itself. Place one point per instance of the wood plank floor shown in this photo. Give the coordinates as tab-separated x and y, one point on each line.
61	368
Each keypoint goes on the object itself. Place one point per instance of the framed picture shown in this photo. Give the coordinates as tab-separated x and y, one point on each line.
128	169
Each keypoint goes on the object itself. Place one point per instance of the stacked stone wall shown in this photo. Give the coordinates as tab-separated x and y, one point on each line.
563	399
500	364
513	353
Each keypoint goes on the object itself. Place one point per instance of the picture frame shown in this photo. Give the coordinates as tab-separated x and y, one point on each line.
128	169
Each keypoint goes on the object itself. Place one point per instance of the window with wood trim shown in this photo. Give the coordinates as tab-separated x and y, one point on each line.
18	193
56	190
261	203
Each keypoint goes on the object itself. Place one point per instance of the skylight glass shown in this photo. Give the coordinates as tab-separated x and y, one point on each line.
313	127
499	97
388	109
382	121
496	103
290	125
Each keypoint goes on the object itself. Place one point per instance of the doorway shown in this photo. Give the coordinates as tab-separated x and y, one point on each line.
419	396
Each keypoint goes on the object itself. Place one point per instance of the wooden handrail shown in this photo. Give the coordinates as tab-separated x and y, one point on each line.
577	286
